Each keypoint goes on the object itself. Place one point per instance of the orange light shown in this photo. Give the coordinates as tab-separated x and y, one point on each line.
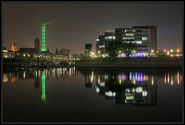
178	50
165	50
157	51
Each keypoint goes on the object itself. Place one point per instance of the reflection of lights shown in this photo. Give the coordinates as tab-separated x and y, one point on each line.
106	76
127	90
134	81
130	97
165	79
130	77
24	74
152	80
119	81
92	76
13	80
171	80
109	93
5	78
36	73
181	76
97	89
133	90
168	78
178	81
144	93
98	79
139	89
102	84
43	87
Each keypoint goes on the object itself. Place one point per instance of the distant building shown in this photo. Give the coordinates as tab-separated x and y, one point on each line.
37	44
88	49
14	48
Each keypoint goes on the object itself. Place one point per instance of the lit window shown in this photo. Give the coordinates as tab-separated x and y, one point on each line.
102	46
138	42
144	38
129	34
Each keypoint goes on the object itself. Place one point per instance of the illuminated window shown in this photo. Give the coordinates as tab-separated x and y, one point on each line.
144	38
129	34
102	46
138	42
129	38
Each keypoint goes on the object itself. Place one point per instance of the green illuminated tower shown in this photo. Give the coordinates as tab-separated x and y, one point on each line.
43	87
43	37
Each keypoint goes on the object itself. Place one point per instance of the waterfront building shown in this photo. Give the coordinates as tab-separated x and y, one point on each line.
37	44
8	53
143	37
88	49
26	52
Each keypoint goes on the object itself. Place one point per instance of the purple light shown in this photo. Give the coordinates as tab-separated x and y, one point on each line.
138	77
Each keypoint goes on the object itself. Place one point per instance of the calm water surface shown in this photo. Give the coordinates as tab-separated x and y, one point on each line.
92	95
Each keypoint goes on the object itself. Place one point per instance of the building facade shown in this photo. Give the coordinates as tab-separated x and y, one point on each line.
37	44
143	37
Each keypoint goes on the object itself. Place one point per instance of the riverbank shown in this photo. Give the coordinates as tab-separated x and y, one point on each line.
145	62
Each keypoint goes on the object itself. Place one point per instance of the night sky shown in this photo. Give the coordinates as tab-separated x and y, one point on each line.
77	23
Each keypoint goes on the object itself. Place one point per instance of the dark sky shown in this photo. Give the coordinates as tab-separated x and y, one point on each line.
77	23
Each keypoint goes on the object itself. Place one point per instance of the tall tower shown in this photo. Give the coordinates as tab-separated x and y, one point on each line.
43	37
37	44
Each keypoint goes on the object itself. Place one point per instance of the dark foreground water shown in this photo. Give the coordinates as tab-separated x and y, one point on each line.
92	95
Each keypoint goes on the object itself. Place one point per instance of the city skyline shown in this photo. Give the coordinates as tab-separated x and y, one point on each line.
77	23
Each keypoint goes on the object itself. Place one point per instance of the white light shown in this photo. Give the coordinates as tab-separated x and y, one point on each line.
144	38
139	89
138	42
109	93
102	83
131	97
97	89
24	74
144	93
102	46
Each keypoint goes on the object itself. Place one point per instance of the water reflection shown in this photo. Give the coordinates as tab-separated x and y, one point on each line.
137	88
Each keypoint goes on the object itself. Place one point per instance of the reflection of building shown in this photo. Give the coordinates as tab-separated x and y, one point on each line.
88	83
128	88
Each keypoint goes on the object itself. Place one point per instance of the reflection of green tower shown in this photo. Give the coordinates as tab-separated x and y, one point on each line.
44	37
43	87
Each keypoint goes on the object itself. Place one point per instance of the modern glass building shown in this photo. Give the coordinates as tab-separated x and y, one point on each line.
144	37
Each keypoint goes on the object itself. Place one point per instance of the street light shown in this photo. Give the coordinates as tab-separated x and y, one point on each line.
152	50
171	50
